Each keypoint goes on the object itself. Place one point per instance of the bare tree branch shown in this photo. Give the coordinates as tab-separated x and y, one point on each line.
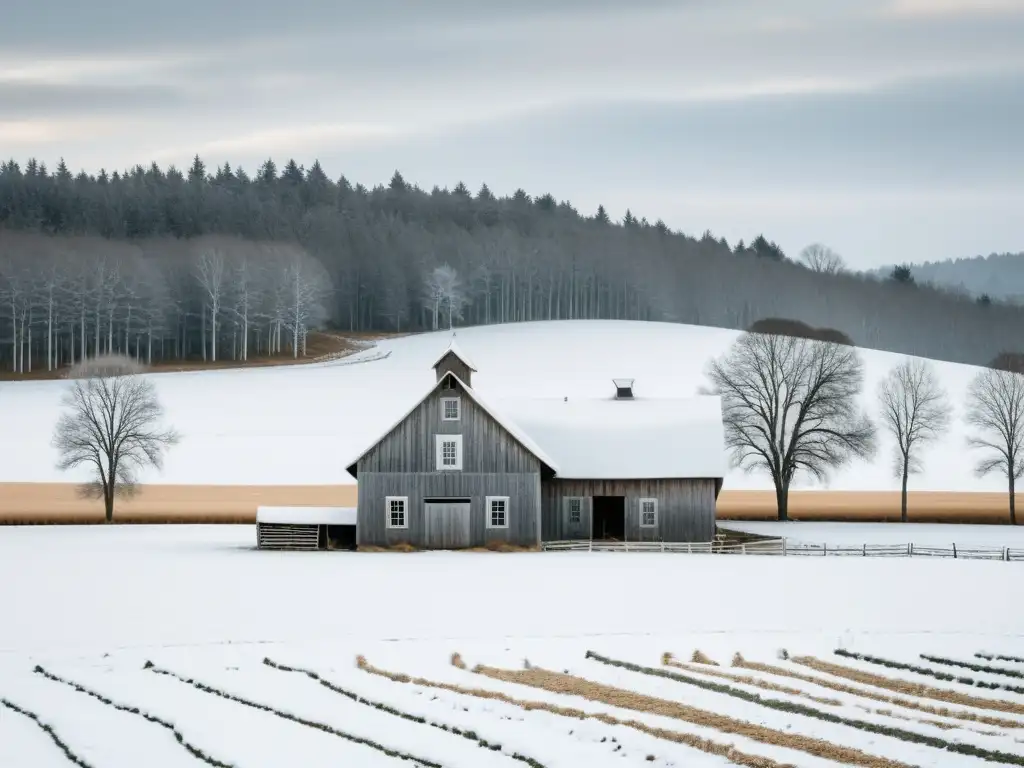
110	425
821	258
996	410
915	411
790	406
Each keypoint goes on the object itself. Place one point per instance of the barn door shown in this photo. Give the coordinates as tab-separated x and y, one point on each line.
447	524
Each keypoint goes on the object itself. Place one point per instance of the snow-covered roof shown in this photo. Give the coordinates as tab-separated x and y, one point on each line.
454	349
307	515
503	420
605	438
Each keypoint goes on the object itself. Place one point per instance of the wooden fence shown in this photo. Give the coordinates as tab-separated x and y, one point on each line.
785	548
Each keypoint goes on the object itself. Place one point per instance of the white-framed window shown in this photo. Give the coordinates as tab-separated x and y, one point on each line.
497	511
575	511
648	513
449	452
397	510
451	408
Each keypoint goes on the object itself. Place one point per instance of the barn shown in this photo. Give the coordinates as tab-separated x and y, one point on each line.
456	471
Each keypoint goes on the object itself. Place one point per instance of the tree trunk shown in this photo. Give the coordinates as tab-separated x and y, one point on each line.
1013	506
108	501
782	499
903	496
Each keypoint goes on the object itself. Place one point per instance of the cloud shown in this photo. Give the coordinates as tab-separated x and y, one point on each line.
40	100
948	8
595	100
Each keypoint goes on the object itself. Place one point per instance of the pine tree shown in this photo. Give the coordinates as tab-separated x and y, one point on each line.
602	215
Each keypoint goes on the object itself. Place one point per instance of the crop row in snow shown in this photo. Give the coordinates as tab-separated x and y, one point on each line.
793	707
892	664
48	730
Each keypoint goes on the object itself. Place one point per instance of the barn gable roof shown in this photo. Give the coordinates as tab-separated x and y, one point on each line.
613	439
503	421
453	349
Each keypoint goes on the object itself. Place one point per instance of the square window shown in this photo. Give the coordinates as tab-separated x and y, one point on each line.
648	513
450	408
397	510
497	511
449	452
575	511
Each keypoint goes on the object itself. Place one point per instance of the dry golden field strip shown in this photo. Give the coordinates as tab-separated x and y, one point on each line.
60	503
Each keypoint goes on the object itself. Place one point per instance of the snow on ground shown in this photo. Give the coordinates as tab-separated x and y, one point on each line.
299	424
93	604
856	534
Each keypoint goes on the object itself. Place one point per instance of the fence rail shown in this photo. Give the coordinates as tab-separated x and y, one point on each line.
786	548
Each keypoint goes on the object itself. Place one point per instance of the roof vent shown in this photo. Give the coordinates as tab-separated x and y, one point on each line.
623	389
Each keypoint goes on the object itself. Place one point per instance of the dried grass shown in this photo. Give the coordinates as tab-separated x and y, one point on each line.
400	547
556	682
708	746
699	657
748	680
898	701
501	546
908	688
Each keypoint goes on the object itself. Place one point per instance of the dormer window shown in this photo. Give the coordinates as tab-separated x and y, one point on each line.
623	389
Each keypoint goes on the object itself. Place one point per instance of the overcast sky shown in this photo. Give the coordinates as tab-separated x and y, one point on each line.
889	129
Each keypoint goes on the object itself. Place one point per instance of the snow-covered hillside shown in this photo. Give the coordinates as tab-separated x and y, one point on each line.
300	424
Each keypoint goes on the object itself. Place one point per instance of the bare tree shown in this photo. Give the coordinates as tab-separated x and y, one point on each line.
306	286
210	271
111	425
790	405
443	291
821	258
995	407
915	411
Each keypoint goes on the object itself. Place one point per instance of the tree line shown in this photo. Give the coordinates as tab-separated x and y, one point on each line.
160	264
790	407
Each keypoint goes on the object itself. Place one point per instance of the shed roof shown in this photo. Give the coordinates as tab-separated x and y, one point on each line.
454	349
606	438
307	515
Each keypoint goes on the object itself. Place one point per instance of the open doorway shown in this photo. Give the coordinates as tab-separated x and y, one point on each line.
609	521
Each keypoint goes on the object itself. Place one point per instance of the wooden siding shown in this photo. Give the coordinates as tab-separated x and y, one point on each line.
447	526
411	447
452	362
686	508
522	489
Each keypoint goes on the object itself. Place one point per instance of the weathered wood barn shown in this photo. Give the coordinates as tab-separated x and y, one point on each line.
457	472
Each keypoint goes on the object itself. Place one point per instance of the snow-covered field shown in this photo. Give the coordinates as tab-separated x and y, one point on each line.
300	424
856	534
84	609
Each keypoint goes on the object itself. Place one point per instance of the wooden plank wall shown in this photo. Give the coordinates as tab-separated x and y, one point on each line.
447	525
686	508
411	447
451	362
522	488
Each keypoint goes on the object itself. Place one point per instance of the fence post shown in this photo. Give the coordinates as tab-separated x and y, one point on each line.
743	548
865	549
954	550
1006	554
910	549
824	549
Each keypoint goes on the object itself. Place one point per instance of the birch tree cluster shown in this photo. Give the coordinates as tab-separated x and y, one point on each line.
70	299
114	261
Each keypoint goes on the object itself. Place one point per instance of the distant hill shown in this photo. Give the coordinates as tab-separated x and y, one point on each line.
1000	275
